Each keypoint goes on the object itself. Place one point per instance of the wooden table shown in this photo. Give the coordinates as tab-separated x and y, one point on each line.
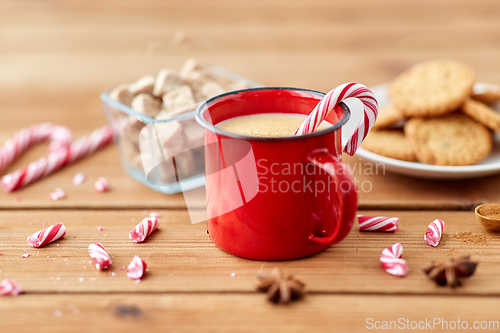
55	59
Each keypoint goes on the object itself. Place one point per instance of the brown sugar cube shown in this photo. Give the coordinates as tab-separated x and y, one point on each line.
178	98
194	135
185	164
142	86
187	67
196	79
170	137
157	169
211	89
122	95
146	104
166	80
166	115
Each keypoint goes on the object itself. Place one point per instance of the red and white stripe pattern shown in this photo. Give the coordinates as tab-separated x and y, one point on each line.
101	185
331	100
434	232
101	258
57	194
58	159
9	288
378	223
47	235
59	137
144	229
79	178
136	268
391	260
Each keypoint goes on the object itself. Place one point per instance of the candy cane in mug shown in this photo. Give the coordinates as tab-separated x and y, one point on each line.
101	258
47	235
331	100
378	223
391	260
434	232
57	159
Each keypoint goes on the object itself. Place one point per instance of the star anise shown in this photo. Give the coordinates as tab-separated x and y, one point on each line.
449	272
280	288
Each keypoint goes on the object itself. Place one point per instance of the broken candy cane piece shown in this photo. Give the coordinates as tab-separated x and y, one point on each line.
101	185
9	288
391	260
101	258
47	235
378	223
434	232
57	194
136	268
144	229
155	214
79	178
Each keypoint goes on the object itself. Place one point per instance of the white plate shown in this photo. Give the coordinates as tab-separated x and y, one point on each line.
487	167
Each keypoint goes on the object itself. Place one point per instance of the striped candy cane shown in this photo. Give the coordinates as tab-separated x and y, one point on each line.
391	260
434	232
101	258
47	235
59	137
136	268
59	158
144	229
9	288
332	99
378	223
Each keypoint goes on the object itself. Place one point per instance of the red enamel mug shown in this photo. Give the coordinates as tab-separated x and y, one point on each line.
275	198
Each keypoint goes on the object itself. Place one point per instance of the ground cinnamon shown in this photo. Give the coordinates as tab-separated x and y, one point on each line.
491	211
469	237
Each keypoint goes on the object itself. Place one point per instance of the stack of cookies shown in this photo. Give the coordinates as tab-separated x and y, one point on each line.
444	122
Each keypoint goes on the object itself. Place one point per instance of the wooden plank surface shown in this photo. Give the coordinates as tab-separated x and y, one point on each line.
240	313
182	258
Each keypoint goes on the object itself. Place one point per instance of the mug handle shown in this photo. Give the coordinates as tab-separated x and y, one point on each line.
347	198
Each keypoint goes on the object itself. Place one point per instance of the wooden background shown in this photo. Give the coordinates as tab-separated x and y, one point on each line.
55	59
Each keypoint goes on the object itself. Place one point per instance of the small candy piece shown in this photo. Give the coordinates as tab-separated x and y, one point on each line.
155	214
136	268
57	194
101	258
434	232
100	228
391	260
26	255
48	235
144	229
378	223
79	178
9	288
101	185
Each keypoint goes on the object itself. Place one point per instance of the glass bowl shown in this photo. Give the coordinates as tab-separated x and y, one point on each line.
165	153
